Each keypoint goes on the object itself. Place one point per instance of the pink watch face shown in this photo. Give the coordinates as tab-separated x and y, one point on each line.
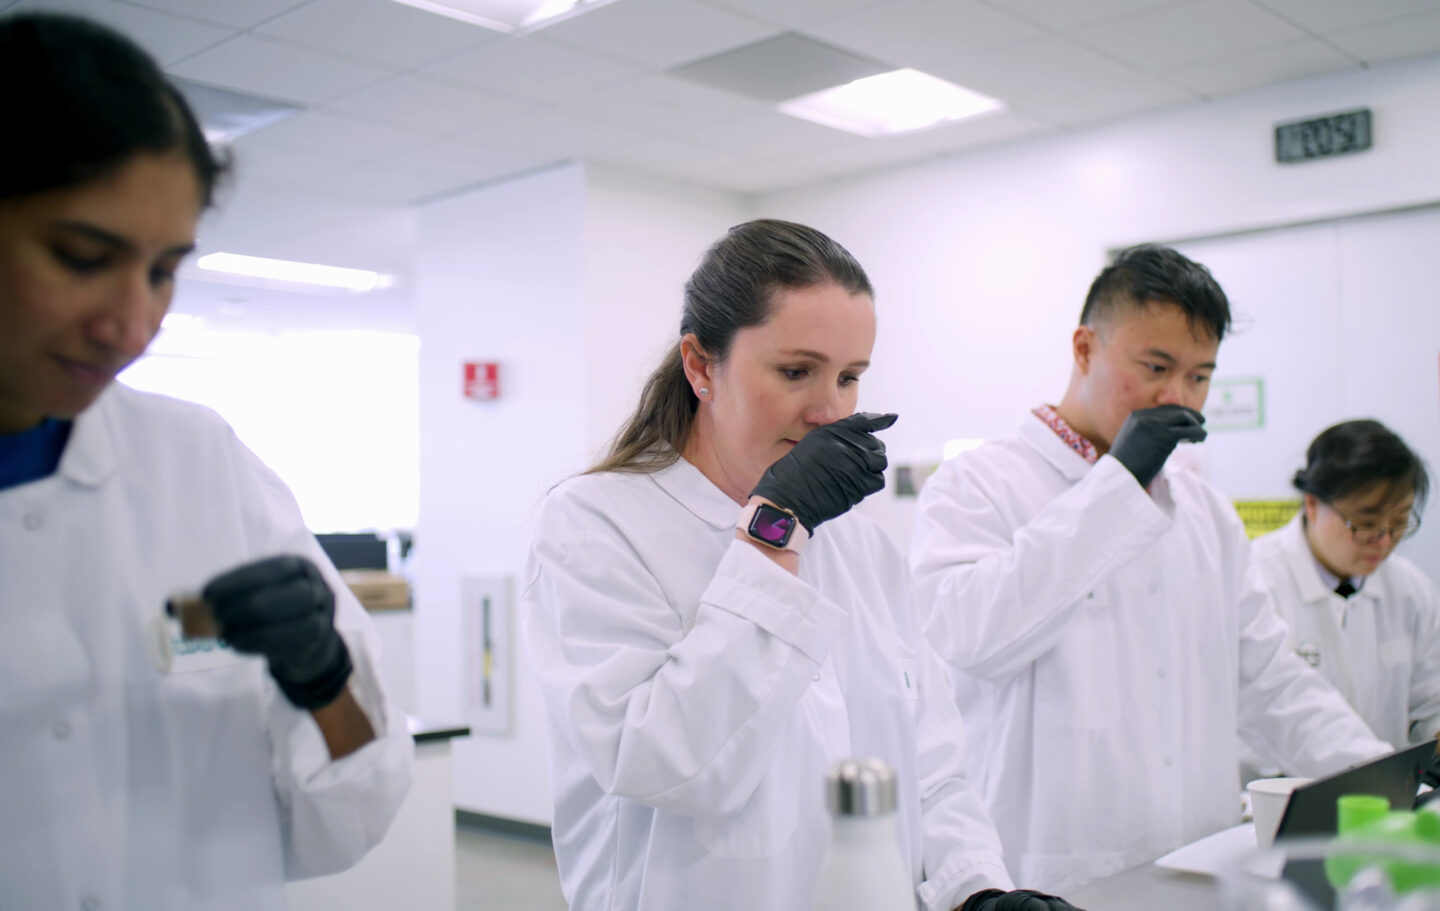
771	525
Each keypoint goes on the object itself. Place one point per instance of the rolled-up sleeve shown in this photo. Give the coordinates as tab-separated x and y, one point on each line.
333	811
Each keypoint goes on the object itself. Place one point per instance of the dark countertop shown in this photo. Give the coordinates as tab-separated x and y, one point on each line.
425	731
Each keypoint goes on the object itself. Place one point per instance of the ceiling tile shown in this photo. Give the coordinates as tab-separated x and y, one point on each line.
919	32
383	31
670	157
392	184
1392	40
1331	15
970	133
342	136
398	185
786	66
896	151
659	33
762	175
472	160
1168	38
660	105
224	12
1071	14
530	68
796	13
432	106
275	70
769	133
1057	81
562	135
1295	60
168	38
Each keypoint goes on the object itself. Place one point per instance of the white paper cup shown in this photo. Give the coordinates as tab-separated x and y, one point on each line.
1268	798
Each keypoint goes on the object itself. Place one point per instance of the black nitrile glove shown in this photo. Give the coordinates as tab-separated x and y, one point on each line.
282	608
1149	435
830	470
1018	900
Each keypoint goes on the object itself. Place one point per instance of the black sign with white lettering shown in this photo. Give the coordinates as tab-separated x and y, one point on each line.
1322	137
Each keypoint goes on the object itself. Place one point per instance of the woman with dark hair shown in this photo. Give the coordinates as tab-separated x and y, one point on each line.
712	627
1367	618
147	761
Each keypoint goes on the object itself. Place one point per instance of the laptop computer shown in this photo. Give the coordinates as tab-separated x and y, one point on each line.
1312	812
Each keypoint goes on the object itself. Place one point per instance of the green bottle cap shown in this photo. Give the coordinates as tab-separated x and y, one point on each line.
1356	810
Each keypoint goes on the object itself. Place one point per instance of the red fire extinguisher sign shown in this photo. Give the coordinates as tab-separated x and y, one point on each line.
482	381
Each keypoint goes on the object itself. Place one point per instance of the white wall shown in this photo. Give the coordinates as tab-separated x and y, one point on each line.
498	278
643	238
981	261
572	280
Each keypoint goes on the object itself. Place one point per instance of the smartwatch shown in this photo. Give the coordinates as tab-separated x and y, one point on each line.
773	526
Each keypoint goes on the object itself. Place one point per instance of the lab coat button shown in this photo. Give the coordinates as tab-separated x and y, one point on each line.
61	730
1169	762
89	903
33	520
1160	673
816	677
1154	587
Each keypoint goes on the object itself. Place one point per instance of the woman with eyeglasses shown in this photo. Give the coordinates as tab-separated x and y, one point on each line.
1368	619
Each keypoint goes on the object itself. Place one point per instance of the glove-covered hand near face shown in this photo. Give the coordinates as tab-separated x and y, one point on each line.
282	608
1149	435
830	470
1018	900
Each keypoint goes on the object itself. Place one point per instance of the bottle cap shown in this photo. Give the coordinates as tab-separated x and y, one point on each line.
860	787
1356	810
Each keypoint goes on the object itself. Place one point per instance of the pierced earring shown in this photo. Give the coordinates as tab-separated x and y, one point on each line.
704	391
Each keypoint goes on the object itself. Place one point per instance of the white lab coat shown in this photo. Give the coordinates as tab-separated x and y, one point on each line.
1380	647
122	787
697	694
1107	646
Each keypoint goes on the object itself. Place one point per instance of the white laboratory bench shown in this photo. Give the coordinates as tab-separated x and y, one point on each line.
414	866
1147	888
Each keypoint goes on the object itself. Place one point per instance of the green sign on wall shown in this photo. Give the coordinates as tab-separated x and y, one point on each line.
1236	404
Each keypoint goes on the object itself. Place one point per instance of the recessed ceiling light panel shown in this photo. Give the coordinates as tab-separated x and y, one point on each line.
901	101
509	16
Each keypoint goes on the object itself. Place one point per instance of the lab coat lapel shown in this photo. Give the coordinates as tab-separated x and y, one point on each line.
1321	603
1052	449
89	457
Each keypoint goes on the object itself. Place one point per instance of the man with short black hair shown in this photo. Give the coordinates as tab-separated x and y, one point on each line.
1099	611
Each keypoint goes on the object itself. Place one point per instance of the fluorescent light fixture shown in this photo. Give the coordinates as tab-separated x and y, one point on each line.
901	101
955	447
284	270
508	16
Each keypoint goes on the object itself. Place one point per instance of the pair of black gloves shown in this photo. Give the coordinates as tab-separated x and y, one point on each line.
836	466
282	609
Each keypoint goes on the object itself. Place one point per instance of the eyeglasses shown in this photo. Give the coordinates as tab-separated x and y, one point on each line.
1366	533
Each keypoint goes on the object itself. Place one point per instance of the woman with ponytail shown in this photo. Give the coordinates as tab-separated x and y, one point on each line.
713	628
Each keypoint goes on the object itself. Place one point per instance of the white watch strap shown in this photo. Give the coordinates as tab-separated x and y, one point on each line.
798	538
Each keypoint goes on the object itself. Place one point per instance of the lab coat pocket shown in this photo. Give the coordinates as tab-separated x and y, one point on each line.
1078	682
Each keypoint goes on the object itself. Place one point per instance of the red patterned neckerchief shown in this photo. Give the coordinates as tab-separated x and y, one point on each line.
1064	431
